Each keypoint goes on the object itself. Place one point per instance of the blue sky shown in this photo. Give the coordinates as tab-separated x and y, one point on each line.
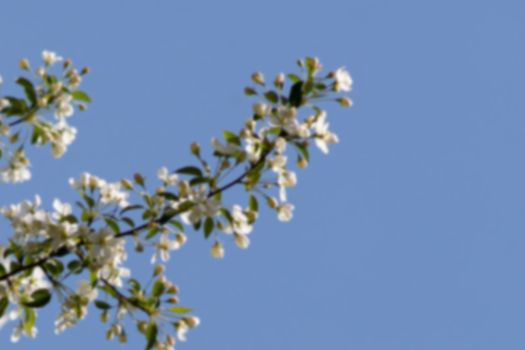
410	235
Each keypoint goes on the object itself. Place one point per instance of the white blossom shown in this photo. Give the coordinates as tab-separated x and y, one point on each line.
167	178
323	137
343	80
50	57
285	212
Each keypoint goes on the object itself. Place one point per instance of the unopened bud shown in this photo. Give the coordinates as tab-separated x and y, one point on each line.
104	317
82	107
302	163
84	71
217	250
24	64
173	300
172	289
192	321
40	71
279	81
258	78
139	247
345	101
67	63
272	202
260	109
180	238
142	326
250	91
122	338
170	340
126	184
195	149
158	270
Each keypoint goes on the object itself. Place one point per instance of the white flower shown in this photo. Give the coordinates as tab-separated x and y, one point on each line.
50	57
285	212
87	180
323	137
167	178
17	170
111	194
61	137
203	206
163	248
280	145
240	222
343	80
64	107
229	149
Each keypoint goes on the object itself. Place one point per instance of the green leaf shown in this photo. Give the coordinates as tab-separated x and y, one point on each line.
169	195
40	298
302	148
75	266
151	335
16	106
81	96
199	180
231	137
158	289
294	78
296	94
131	207
180	310
271	96
113	225
29	320
29	89
209	225
189	170
254	205
102	305
4	303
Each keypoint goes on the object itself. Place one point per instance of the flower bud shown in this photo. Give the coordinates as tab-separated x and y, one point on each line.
173	300
249	91
195	149
68	63
84	71
302	163
279	81
172	289
345	101
217	250
142	326
258	78
180	238
241	241
158	270
170	340
260	109
24	64
122	338
272	202
40	71
104	317
191	321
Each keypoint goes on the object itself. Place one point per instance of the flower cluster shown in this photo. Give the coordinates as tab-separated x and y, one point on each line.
26	118
88	239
